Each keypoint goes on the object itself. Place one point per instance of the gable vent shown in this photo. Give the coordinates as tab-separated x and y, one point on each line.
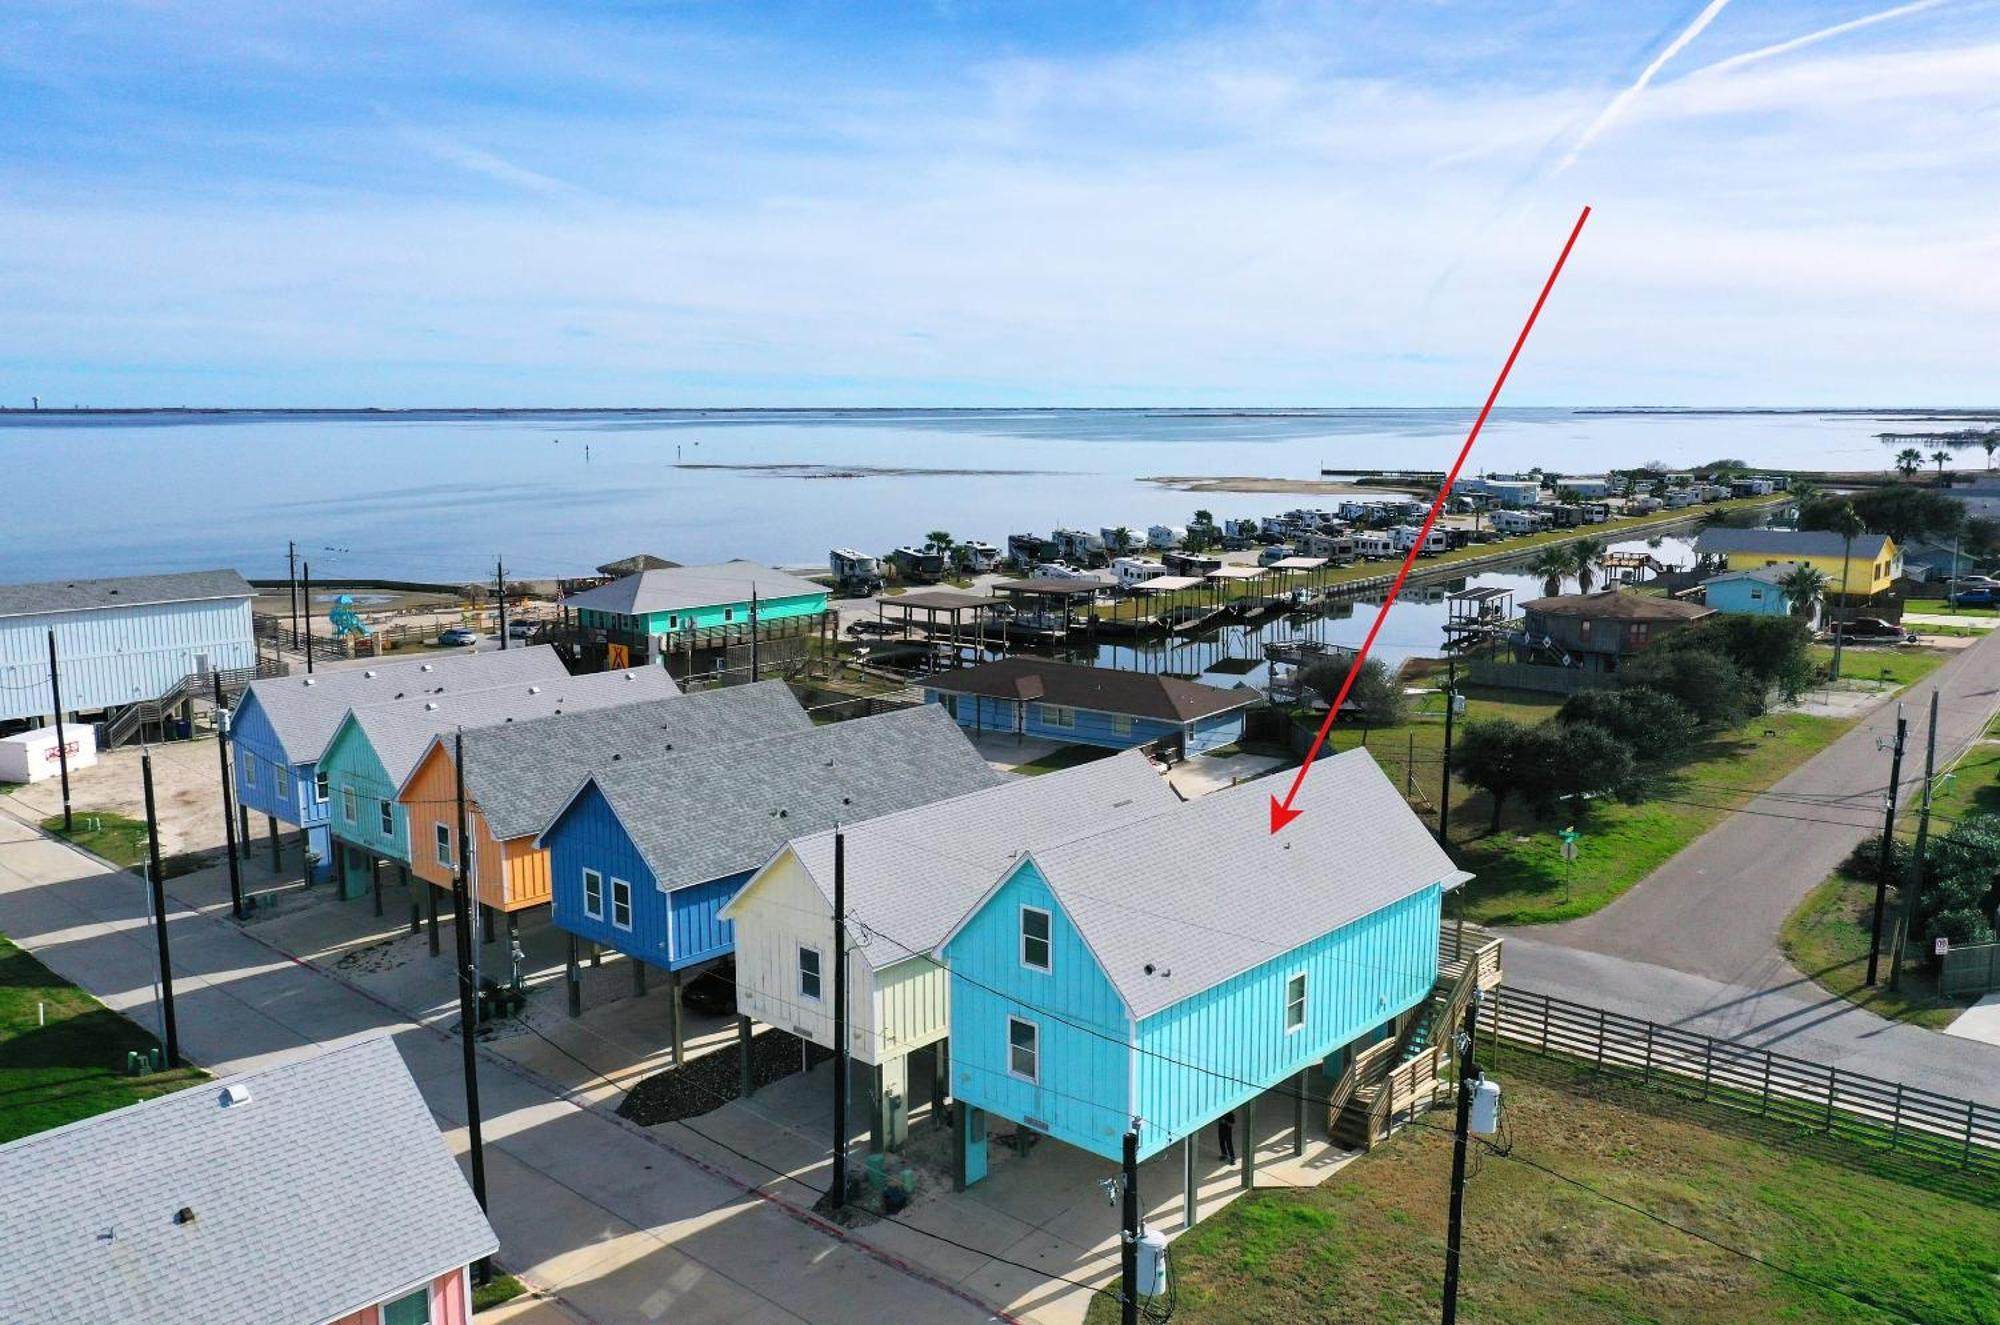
231	1096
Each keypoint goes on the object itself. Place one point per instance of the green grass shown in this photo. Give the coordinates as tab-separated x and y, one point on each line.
1939	608
500	1288
1368	1245
1068	756
1897	665
1827	939
118	839
71	1067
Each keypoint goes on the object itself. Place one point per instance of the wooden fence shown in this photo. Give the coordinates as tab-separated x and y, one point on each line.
1534	676
1961	1133
1969	970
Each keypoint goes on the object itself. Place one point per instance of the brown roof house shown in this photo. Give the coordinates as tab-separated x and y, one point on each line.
1594	631
1091	705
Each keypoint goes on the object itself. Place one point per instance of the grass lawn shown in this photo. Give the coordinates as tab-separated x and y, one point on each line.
1898	665
1925	607
118	839
1368	1245
500	1288
71	1067
1068	756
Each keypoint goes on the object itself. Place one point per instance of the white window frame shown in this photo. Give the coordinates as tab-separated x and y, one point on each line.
281	780
385	810
320	788
249	770
594	912
1048	939
620	889
818	972
441	836
1060	716
1034	1050
348	805
1298	979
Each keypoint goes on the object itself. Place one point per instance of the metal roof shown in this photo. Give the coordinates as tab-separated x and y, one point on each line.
401	732
911	875
941	600
677	588
733	808
1234	572
305	711
1787	543
1052	586
1099	689
1297	563
1206	890
521	773
122	591
1167	583
324	1192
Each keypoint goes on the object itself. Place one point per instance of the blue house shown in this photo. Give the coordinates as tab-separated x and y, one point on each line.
644	854
1028	696
282	724
1176	967
1759	592
119	641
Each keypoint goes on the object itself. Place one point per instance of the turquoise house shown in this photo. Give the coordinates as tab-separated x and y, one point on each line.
651	612
377	747
1759	592
1174	968
1027	696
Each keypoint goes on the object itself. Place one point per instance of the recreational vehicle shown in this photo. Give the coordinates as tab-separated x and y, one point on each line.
1163	536
1133	571
922	565
855	574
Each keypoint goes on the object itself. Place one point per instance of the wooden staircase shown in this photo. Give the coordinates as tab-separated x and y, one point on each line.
1393	1079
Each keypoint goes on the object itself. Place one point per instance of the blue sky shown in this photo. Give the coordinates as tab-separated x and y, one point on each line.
227	203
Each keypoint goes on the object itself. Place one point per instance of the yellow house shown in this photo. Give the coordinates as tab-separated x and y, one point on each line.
1871	565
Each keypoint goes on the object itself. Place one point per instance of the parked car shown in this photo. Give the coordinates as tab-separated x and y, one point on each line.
1984	595
521	629
713	991
1871	628
458	637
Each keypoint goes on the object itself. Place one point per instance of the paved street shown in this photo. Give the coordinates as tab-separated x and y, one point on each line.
1695	944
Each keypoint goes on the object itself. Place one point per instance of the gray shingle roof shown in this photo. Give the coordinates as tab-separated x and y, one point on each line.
1617	605
696	817
1761	574
522	773
122	591
1099	689
691	586
326	1192
401	732
1786	543
1206	891
912	874
304	711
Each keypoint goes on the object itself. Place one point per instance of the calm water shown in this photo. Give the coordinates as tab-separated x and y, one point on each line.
437	496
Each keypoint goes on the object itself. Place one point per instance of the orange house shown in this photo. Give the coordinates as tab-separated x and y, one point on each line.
518	775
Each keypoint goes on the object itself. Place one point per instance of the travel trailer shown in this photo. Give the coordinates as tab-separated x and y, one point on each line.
855	574
1133	571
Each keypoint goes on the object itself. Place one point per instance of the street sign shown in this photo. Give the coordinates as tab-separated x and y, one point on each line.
1569	848
1941	946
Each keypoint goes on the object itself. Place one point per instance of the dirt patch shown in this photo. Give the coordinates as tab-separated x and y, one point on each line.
711	1081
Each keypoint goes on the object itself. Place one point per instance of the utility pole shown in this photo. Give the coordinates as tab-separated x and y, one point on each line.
1128	1238
468	998
753	631
292	575
500	596
1468	1073
1916	885
1444	793
158	884
1886	863
62	738
228	797
305	593
838	1191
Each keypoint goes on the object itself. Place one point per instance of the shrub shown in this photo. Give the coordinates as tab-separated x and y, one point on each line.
1653	725
1962	925
1709	685
1771	651
1587	760
1375	696
1864	862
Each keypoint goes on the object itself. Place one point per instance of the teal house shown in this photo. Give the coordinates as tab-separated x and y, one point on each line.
1759	592
653	611
1173	968
376	748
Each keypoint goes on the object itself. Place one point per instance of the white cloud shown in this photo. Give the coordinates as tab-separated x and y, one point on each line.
1617	105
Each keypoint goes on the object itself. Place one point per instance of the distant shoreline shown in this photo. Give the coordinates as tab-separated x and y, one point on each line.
1929	413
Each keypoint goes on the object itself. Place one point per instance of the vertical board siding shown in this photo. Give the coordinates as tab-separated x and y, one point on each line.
350	762
430	799
699	932
119	655
254	746
588	835
1199	1053
1083	1095
984	713
773	915
913	1004
1209	733
700	618
526	881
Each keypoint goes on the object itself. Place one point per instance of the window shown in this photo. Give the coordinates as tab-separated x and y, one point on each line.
319	788
673	623
282	780
1121	724
347	804
728	614
412	1310
809	973
621	904
387	810
1583	629
1295	1002
444	845
593	894
1024	1049
249	770
1034	938
1640	629
1055	715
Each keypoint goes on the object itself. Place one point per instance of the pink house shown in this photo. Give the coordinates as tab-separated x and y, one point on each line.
315	1192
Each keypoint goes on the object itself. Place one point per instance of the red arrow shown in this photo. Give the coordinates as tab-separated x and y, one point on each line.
1282	812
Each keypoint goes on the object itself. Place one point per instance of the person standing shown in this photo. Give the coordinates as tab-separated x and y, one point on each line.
1225	1136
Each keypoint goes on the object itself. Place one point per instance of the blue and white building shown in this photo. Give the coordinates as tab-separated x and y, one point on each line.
1028	696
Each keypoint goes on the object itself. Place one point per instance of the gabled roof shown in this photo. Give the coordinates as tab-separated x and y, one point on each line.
521	773
1618	605
679	587
400	733
1206	890
305	711
323	1193
1100	689
1787	543
705	815
912	874
122	591
1762	574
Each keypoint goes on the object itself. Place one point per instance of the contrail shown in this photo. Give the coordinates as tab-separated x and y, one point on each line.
1623	99
1812	38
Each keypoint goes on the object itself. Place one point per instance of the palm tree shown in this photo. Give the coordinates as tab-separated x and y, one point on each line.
1991	441
1847	523
1909	460
1121	541
1804	586
1584	554
1940	456
1552	564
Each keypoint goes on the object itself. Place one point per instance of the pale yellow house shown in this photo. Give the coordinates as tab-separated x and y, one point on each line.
1872	564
